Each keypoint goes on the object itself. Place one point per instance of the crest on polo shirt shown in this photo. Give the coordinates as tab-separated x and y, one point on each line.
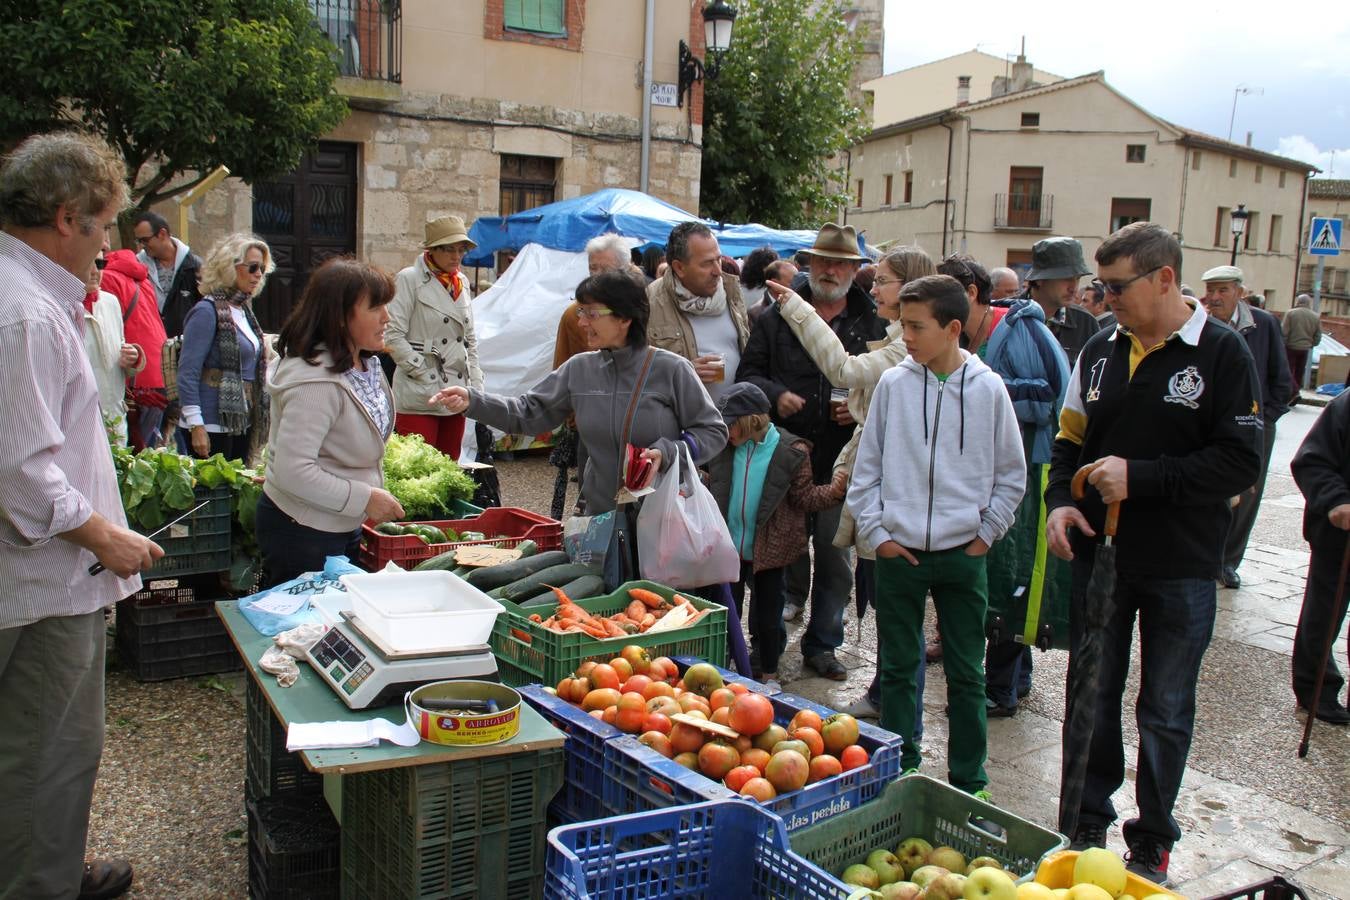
1185	387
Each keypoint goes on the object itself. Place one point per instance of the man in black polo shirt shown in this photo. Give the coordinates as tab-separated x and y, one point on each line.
1169	406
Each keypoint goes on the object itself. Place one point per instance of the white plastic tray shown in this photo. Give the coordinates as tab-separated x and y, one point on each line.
422	610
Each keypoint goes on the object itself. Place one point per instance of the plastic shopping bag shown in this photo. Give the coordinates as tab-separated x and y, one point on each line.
287	605
682	538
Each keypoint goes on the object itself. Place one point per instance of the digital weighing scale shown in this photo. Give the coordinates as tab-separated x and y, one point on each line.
365	672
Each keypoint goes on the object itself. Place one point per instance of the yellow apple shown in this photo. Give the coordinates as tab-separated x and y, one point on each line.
1099	866
1030	890
988	883
1088	891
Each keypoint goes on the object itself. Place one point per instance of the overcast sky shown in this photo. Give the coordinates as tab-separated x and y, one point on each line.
1179	59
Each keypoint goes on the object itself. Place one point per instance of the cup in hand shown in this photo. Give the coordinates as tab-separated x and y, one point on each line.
718	363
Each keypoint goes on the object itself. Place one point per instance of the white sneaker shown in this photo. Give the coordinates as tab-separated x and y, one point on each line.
862	708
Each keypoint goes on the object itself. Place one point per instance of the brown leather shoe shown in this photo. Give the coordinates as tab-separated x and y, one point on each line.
105	878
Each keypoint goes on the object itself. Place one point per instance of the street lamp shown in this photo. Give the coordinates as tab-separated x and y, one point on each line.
718	17
1238	224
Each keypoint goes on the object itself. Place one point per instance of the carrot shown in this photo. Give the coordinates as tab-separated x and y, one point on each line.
636	610
558	592
649	599
535	617
647	621
596	631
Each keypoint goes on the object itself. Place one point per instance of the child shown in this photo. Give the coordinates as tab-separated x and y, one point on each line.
763	485
938	476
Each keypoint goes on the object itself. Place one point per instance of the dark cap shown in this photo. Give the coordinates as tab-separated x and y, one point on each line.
1057	257
742	399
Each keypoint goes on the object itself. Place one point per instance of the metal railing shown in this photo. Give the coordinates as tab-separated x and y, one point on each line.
368	35
1034	212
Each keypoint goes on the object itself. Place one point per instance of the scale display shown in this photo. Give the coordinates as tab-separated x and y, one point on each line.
344	663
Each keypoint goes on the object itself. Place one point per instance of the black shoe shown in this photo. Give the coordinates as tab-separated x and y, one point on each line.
1148	858
1329	711
1088	834
1230	577
994	710
826	666
1023	691
105	878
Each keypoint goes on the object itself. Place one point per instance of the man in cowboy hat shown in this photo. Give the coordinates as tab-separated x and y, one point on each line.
776	361
1056	266
1223	293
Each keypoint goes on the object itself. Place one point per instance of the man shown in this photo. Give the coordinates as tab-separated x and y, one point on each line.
1056	265
1004	283
175	267
1302	331
1094	301
776	361
60	512
1168	410
696	309
1223	288
780	271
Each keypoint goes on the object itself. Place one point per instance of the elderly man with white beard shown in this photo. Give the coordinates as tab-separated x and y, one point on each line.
776	362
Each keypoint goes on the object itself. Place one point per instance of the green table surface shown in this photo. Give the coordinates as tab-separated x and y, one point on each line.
310	699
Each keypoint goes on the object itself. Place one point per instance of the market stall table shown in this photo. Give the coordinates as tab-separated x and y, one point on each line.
427	820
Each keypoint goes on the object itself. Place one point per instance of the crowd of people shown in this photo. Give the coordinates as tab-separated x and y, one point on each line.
893	430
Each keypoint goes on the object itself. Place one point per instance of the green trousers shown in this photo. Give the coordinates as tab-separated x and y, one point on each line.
959	586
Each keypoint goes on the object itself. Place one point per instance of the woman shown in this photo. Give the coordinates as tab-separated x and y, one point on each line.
431	336
222	367
110	356
753	276
984	317
332	412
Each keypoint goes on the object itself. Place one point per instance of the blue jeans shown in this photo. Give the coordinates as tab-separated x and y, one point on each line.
1007	672
830	588
1176	621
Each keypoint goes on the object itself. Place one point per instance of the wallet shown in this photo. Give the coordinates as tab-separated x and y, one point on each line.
635	468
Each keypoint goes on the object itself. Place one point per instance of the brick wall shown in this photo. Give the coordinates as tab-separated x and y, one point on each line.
698	47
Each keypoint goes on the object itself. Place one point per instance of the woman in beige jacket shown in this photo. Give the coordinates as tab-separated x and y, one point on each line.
431	336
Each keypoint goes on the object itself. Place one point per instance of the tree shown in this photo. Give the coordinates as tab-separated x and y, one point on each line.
179	87
779	109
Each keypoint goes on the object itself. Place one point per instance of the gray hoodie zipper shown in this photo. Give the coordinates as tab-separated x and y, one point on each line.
932	462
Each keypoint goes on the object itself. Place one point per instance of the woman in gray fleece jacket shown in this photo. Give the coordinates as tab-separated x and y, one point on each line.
597	387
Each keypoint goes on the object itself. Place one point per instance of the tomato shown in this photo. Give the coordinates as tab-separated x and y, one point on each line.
632	713
852	757
751	714
738	776
602	675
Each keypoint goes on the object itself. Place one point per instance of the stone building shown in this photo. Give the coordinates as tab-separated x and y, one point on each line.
1329	197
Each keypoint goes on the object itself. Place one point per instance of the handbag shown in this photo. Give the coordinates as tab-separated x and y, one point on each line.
683	540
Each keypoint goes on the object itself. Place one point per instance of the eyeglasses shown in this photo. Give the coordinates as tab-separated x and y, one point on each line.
882	281
144	241
100	263
583	313
1116	288
252	268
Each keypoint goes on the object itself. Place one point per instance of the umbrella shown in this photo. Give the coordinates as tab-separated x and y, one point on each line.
1326	654
1085	665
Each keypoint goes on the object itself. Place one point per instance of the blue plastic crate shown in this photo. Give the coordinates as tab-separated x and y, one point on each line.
583	756
728	676
638	778
731	848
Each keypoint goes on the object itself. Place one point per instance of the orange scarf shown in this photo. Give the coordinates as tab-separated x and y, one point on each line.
453	282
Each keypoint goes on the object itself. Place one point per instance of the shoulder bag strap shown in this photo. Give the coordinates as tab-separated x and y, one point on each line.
632	404
131	307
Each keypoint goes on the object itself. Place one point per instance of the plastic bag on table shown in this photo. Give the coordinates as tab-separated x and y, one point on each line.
288	605
682	539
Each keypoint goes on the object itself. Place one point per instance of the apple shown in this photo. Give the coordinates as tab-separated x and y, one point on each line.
1088	891
1100	867
989	883
913	853
980	862
1032	890
900	890
887	867
947	857
946	887
1060	893
862	876
926	875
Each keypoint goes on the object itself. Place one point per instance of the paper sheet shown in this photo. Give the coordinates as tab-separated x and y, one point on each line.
340	735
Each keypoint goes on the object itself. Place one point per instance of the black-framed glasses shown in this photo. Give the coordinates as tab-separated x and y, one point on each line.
252	268
1116	288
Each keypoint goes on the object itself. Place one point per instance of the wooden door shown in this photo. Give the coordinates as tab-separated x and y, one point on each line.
1024	197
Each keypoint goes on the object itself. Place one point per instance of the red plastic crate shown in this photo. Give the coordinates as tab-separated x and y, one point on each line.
408	550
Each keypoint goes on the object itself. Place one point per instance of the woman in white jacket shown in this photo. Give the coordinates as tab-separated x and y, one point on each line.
110	356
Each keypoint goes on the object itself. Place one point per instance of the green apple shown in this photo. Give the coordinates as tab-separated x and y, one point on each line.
900	890
1100	867
1032	890
887	867
1088	891
989	883
862	876
926	875
949	858
946	887
913	853
980	862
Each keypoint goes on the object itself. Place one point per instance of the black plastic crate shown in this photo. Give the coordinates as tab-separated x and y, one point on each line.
201	542
270	770
171	591
294	847
1276	888
157	642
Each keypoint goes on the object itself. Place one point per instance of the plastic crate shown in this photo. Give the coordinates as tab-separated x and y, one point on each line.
1276	888
156	642
472	828
463	509
530	654
638	778
270	770
407	550
292	850
919	806
583	756
1056	871
201	542
730	848
170	591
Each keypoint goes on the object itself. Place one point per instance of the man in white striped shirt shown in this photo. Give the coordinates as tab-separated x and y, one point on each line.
60	512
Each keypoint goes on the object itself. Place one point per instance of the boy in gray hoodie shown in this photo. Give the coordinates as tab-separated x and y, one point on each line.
938	477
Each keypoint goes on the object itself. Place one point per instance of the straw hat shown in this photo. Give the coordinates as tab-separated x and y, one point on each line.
837	242
446	230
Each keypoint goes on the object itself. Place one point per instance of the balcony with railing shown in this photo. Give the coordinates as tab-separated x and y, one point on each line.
368	35
1024	212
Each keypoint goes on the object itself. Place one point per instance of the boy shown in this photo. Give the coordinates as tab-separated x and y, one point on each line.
938	477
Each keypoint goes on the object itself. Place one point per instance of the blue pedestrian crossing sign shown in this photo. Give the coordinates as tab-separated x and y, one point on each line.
1324	238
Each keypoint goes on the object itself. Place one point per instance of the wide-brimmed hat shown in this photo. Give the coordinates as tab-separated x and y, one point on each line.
1222	273
742	399
446	230
837	242
1057	257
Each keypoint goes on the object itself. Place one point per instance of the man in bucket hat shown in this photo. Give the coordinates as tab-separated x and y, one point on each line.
776	362
1056	266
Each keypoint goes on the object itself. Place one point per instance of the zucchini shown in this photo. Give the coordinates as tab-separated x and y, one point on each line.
486	578
532	584
444	561
433	534
527	548
393	529
582	588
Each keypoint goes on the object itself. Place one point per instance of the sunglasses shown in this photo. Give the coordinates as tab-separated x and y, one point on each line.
100	263
1116	288
252	268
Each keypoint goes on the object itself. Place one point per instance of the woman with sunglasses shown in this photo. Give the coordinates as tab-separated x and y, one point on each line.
222	367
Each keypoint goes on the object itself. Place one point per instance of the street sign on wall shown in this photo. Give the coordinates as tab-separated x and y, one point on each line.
664	94
1324	238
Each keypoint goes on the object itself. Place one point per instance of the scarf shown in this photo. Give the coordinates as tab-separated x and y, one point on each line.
453	282
238	412
749	467
691	305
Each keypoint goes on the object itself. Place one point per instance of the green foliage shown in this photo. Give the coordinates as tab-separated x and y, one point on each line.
178	87
423	478
777	112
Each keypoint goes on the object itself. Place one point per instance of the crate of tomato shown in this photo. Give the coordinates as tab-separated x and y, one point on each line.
408	543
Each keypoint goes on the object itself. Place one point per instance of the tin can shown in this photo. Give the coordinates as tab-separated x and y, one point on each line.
465	729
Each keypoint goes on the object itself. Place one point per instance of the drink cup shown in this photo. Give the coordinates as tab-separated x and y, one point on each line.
718	363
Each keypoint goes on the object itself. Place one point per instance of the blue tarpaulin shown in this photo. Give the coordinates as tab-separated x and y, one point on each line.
569	224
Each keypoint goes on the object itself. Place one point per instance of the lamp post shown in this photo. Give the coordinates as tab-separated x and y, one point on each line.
718	17
1238	225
